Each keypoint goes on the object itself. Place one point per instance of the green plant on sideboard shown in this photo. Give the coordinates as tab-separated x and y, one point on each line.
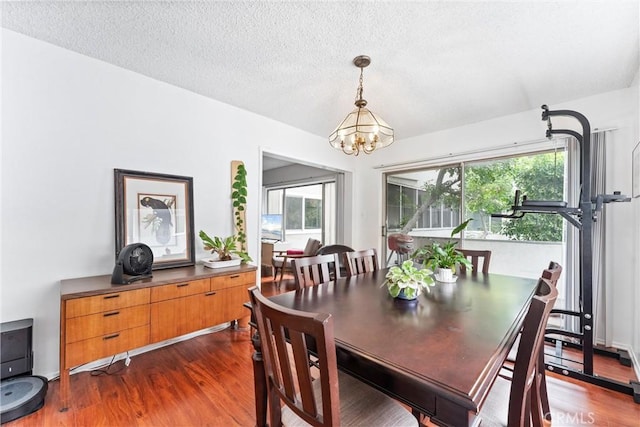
224	247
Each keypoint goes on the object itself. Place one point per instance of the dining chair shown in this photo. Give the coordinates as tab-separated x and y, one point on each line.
336	249
361	261
314	270
331	399
551	274
475	256
525	406
282	259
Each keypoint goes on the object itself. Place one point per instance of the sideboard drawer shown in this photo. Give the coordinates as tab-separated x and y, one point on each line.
95	348
161	293
108	322
232	280
114	301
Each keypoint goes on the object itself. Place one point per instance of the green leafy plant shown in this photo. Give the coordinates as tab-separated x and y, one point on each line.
436	255
239	197
408	278
225	247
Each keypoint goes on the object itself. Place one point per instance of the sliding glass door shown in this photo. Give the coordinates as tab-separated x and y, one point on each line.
429	203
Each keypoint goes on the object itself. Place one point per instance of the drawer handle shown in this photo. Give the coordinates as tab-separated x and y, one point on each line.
108	337
113	313
182	285
208	294
235	276
112	296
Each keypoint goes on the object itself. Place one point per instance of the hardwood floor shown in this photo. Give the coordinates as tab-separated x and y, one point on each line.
208	381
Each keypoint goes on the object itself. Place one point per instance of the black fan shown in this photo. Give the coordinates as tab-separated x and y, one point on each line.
134	260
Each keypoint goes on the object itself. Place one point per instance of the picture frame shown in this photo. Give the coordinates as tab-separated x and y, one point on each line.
157	210
635	171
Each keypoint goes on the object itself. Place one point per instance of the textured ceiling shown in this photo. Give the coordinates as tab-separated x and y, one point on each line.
435	64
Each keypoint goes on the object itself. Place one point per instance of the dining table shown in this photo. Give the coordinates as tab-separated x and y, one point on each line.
438	354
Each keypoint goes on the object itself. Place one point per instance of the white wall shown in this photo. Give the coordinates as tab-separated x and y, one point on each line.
618	109
68	121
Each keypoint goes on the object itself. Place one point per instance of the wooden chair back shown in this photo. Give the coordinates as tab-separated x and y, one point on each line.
361	261
287	370
475	256
315	270
282	259
552	273
336	249
524	400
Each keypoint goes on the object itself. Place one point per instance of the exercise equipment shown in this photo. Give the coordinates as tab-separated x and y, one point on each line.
582	217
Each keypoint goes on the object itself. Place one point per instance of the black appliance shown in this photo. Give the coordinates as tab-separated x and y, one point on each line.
20	392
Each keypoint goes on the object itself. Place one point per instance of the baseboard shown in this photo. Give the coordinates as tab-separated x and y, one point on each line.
101	363
635	362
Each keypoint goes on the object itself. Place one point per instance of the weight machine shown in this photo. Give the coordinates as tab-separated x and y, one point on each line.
582	217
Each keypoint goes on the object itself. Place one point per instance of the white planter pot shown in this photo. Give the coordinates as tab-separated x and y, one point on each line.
214	263
445	275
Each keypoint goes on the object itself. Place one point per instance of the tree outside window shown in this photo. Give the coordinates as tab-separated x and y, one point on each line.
490	188
312	213
293	209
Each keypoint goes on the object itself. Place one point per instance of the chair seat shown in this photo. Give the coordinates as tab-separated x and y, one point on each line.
360	405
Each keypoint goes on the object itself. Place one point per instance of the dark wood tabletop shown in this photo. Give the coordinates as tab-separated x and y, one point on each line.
439	355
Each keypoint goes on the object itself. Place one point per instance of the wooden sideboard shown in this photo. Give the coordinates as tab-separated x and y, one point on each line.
98	319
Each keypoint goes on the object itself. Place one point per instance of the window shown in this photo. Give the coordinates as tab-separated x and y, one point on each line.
312	213
394	211
303	213
490	186
423	202
293	212
307	212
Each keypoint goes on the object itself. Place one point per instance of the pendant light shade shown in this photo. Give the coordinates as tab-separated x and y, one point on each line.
362	130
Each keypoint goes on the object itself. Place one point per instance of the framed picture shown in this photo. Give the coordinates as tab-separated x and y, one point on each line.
635	171
157	210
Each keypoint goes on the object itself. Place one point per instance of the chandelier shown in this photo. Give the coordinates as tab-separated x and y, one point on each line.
361	130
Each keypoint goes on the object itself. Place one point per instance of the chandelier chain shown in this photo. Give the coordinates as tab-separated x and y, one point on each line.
360	88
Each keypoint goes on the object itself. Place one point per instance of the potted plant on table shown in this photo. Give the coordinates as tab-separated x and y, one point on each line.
443	259
408	281
226	249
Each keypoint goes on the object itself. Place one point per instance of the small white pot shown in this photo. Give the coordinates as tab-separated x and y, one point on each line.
444	274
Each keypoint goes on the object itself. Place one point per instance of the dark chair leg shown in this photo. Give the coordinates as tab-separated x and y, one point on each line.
275	276
544	397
